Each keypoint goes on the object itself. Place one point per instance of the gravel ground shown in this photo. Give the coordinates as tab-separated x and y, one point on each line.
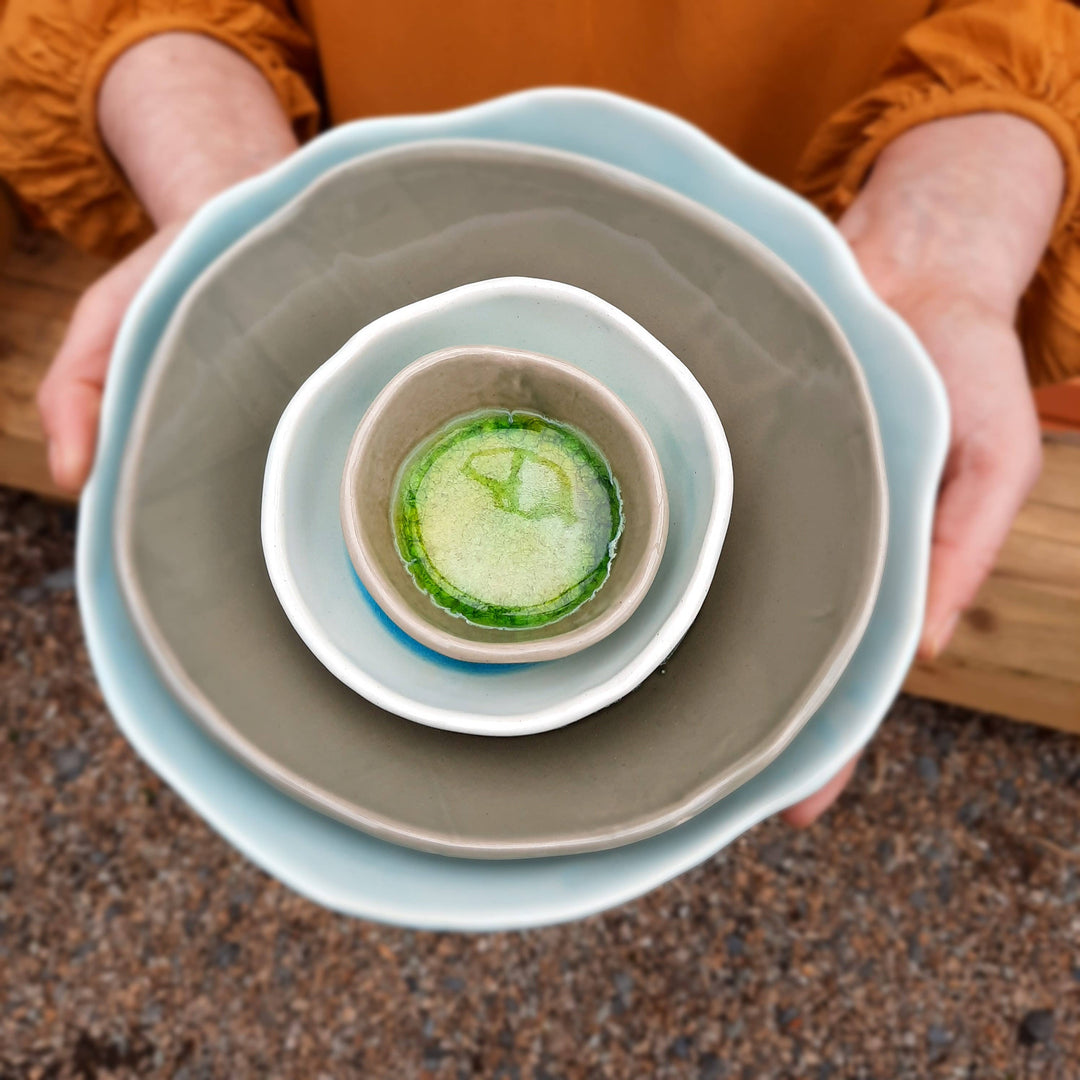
928	927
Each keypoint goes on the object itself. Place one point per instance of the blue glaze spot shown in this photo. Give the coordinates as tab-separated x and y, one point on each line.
423	651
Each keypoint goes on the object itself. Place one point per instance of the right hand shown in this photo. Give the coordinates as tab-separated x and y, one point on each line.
69	398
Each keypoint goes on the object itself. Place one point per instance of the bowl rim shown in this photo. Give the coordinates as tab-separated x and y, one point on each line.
386	593
320	859
569	709
195	702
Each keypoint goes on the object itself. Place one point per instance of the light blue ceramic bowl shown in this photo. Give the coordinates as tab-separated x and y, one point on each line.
357	874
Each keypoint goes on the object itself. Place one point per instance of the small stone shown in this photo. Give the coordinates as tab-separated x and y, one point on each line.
943	739
151	1014
926	768
918	900
937	1036
1050	769
886	852
970	814
60	580
681	1047
224	954
710	1067
945	884
787	1016
772	855
30	517
735	945
1037	1027
69	763
1007	793
454	984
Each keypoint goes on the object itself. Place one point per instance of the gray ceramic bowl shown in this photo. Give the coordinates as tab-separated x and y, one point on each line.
450	383
791	595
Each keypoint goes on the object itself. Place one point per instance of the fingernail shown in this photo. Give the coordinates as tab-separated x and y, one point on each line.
944	635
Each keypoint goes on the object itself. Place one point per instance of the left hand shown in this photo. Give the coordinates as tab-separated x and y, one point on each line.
942	237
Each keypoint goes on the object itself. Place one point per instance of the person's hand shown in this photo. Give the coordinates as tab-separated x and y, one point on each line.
944	239
69	398
161	115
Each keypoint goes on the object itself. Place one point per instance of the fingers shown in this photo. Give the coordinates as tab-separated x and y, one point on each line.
805	813
979	499
69	398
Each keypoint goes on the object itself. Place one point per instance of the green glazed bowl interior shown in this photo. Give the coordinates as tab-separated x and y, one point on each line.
453	382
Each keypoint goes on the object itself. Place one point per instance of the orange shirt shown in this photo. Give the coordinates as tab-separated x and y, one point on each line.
808	91
760	76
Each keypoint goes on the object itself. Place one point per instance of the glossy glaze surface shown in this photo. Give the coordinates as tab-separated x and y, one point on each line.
801	558
358	874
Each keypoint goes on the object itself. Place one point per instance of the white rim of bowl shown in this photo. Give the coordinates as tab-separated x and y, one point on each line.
658	648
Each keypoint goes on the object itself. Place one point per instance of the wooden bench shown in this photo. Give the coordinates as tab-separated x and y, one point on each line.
1017	651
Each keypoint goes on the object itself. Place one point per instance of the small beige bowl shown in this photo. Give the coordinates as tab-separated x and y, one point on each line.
450	383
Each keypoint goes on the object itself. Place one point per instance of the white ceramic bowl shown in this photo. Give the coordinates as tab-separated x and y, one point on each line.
314	579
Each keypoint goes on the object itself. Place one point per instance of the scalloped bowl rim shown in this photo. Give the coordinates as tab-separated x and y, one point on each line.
354	873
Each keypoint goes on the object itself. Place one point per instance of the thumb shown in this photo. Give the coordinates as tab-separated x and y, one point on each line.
69	398
979	499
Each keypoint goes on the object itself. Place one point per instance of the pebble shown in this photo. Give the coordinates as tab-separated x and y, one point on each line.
970	814
69	763
1037	1026
1007	793
926	768
60	580
710	1067
938	1036
735	945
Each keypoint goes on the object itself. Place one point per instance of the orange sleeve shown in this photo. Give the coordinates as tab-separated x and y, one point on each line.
53	57
1015	56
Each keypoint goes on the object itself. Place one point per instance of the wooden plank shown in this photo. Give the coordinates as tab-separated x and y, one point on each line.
1017	651
1057	484
1038	700
23	466
41	279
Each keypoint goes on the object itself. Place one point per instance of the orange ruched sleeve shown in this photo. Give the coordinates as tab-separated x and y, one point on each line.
53	57
1016	56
